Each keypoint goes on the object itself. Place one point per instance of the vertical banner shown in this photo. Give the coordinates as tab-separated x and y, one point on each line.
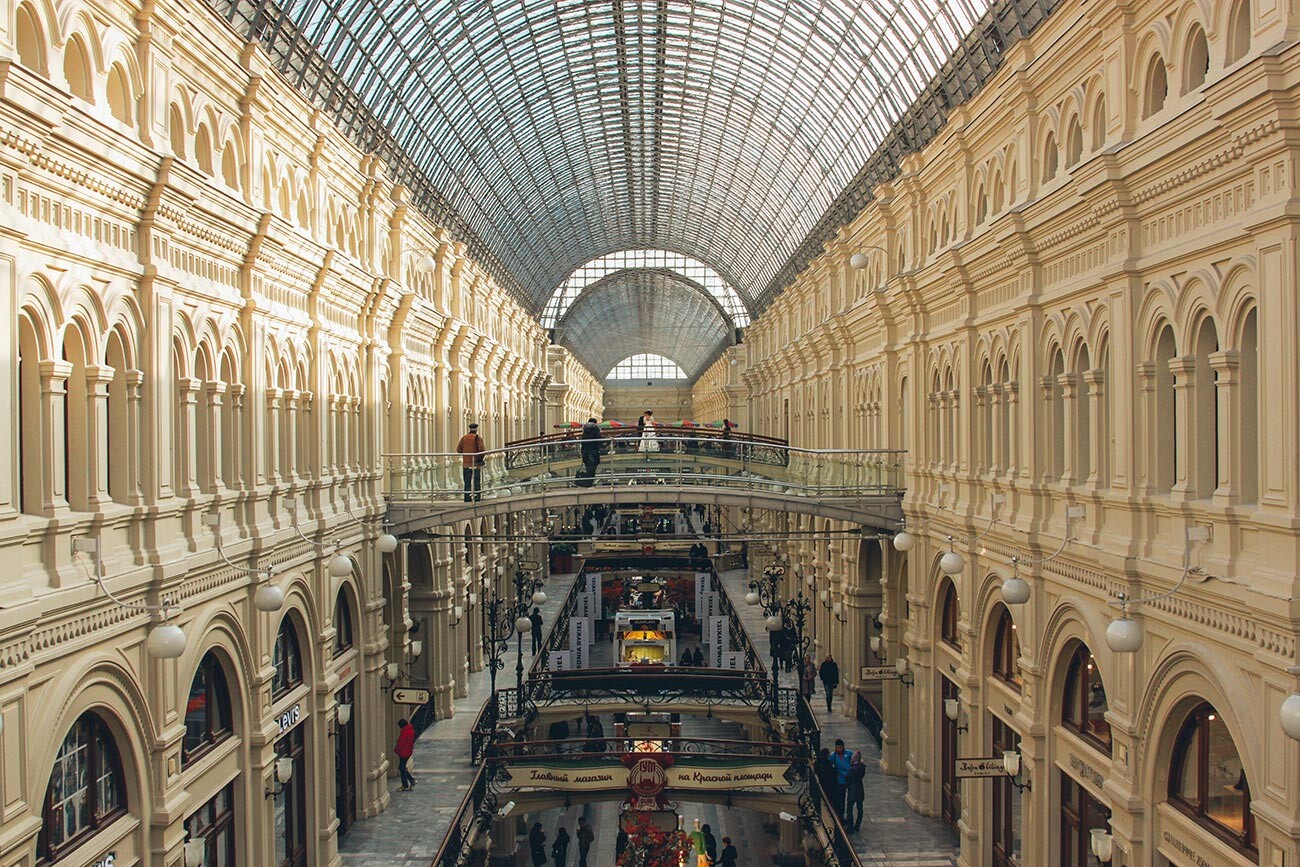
582	606
561	660
718	639
701	587
580	641
734	661
712	607
593	593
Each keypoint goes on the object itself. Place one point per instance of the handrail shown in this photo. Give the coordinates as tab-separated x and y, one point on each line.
452	851
514	447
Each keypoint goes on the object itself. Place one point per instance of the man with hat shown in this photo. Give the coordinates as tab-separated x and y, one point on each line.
471	449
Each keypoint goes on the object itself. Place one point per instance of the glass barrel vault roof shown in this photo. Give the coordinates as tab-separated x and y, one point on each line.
561	130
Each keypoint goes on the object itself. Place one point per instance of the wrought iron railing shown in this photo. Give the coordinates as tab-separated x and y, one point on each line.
702	441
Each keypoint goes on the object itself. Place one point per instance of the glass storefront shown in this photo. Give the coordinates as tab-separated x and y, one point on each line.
214	823
291	804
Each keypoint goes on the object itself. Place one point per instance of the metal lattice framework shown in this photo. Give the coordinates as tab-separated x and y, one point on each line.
645	311
546	133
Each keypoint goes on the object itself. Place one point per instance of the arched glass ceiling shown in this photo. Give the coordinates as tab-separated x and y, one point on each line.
692	269
642	311
562	129
646	366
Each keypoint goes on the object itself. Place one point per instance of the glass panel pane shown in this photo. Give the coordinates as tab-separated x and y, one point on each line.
1226	780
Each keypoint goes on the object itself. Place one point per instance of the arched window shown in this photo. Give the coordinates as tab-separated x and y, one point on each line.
1205	392
31	441
207	713
1248	484
1049	158
176	130
30	43
949	612
1165	419
1197	65
647	366
1239	32
1084	705
86	791
76	69
119	94
1157	89
203	149
1207	780
1073	143
1006	650
230	166
288	661
1099	123
342	624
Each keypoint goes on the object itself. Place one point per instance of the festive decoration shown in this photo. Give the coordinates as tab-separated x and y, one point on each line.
648	846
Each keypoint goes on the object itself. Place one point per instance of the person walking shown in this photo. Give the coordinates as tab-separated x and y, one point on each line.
537	844
857	792
586	837
403	748
471	450
842	762
807	677
829	672
649	439
710	845
560	848
536	620
729	853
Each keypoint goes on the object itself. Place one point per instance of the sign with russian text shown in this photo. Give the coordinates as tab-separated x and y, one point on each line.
410	696
712	777
877	672
686	773
567	777
991	767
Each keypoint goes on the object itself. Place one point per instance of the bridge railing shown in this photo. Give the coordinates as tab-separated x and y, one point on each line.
523	469
709	442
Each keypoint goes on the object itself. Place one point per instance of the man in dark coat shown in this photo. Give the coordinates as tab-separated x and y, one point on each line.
591	445
829	672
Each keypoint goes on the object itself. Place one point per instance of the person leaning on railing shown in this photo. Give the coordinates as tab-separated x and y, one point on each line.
471	449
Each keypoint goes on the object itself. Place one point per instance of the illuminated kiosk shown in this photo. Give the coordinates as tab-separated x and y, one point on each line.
644	638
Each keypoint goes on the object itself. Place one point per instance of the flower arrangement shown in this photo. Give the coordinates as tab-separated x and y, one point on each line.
647	846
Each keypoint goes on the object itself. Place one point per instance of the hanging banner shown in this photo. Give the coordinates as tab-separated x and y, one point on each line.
734	661
592	590
717	637
578	776
586	775
580	641
714	777
561	660
701	587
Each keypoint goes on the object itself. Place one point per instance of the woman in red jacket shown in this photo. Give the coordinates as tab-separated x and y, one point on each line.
405	746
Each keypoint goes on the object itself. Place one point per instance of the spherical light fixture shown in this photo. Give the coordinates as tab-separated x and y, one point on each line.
522	625
166	641
386	543
1289	716
1124	635
268	598
772	624
858	261
904	541
427	264
1015	590
951	563
539	597
751	598
340	566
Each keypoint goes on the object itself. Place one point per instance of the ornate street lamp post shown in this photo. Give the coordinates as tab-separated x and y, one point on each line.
766	591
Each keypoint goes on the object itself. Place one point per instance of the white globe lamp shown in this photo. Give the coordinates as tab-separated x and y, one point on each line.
951	563
539	597
1124	635
522	625
858	261
166	641
904	541
1289	716
751	598
386	543
268	598
1015	590
340	566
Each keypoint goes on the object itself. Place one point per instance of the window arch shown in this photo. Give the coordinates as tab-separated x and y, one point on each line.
1099	123
119	95
1205	393
1157	89
86	791
950	611
76	69
1006	650
287	660
1084	703
342	624
1239	24
1207	780
1073	143
1196	66
203	149
28	40
1248	484
1164	422
230	166
647	365
176	130
1049	158
208	718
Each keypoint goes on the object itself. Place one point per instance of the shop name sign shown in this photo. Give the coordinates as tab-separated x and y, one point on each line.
287	720
568	778
991	767
877	672
747	776
572	777
1186	851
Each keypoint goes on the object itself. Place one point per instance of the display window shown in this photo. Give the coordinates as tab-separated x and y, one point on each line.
207	710
214	823
86	790
1207	780
1084	704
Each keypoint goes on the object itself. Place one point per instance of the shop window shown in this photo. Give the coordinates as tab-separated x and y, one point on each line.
1084	705
1007	807
288	661
1207	780
949	614
214	823
1006	650
342	624
1080	813
86	790
290	805
207	713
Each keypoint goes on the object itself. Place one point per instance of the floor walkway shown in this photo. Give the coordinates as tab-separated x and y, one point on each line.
410	831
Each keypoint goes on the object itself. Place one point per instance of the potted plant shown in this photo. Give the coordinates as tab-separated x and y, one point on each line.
562	557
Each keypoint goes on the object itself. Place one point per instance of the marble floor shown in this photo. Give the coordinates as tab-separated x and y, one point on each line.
410	831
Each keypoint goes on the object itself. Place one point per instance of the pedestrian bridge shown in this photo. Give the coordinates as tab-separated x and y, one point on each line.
677	467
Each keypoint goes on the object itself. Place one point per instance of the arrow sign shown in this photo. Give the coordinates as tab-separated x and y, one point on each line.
410	696
993	767
877	672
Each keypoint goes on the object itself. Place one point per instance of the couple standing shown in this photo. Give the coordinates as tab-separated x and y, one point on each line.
645	425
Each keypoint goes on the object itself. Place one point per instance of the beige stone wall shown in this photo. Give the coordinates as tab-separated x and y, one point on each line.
216	306
670	403
573	392
1077	297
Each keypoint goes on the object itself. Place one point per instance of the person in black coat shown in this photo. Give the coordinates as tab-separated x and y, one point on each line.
829	672
710	844
560	848
592	441
537	844
857	794
826	775
535	619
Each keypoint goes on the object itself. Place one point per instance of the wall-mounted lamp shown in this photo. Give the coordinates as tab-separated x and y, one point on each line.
506	809
1011	764
1289	713
457	614
952	710
837	610
788	817
267	597
1103	845
196	850
1124	634
166	640
392	670
901	669
417	647
282	773
343	713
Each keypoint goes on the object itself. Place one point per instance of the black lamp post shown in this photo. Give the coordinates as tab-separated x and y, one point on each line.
766	591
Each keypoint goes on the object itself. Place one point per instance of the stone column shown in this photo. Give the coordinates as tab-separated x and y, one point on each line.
134	436
1099	429
212	392
96	457
1047	445
1150	462
54	396
1069	384
1012	392
274	398
186	444
982	459
1185	446
289	469
235	444
1227	368
997	405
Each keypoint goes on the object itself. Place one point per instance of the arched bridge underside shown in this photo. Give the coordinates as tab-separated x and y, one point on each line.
413	515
